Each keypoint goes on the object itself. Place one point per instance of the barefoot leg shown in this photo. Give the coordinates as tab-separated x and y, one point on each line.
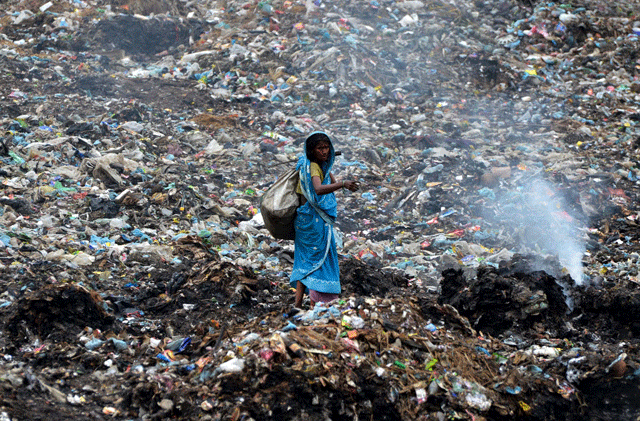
299	294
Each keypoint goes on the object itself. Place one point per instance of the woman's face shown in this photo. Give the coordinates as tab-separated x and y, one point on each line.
322	151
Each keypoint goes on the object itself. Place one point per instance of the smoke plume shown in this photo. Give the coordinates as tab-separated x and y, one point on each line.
541	223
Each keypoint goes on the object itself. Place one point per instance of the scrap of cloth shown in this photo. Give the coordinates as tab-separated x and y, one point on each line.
315	261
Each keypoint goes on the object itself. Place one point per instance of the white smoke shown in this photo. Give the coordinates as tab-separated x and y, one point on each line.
541	223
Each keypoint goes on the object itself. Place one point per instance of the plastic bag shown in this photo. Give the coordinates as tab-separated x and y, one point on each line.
279	204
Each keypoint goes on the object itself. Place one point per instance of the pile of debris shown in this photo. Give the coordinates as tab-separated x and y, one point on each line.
489	261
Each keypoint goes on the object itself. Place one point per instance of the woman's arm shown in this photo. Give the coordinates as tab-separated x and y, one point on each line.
335	185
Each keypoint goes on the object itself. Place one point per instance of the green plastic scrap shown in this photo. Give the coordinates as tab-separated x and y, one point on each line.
399	364
429	366
16	158
24	237
204	233
58	186
500	359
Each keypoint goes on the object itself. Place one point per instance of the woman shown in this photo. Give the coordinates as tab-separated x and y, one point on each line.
315	265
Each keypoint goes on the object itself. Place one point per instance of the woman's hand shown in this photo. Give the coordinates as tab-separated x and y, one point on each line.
350	185
334	186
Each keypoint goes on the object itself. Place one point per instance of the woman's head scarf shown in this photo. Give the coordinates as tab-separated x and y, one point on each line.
326	201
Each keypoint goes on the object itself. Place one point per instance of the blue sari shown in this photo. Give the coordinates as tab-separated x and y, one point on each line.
315	262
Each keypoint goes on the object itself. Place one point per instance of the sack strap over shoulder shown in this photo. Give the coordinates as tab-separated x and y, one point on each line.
328	219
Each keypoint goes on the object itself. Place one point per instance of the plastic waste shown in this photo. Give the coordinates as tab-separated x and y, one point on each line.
234	365
93	344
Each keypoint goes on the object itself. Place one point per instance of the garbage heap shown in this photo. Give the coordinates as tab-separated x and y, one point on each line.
489	260
386	350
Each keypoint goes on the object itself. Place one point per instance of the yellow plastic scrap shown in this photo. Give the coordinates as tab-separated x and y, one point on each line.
46	189
345	323
430	364
524	406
